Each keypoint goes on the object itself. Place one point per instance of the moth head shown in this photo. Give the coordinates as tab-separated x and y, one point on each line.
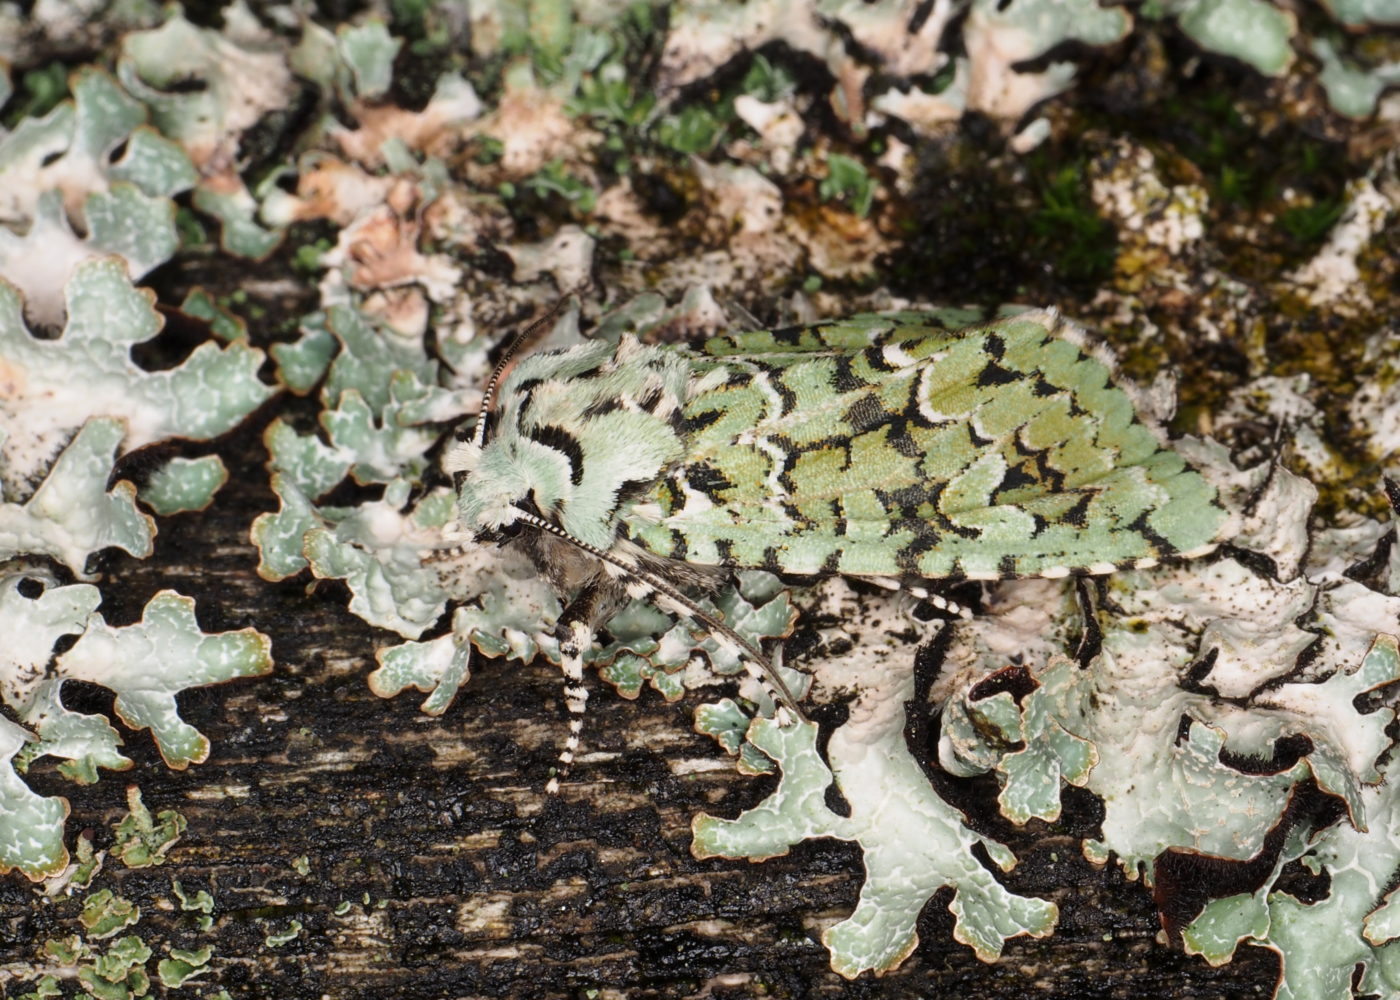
500	481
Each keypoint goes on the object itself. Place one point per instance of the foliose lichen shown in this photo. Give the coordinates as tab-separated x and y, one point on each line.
1194	700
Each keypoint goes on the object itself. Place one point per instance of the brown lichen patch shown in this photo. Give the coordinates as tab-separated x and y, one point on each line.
533	129
839	244
434	131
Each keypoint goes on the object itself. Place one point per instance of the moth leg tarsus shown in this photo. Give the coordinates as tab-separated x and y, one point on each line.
575	631
1087	592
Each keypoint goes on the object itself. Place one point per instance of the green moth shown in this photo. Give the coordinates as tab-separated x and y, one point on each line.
887	447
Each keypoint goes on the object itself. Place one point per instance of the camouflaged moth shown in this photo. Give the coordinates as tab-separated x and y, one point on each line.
885	447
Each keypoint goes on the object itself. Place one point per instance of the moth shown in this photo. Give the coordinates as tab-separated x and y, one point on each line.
892	448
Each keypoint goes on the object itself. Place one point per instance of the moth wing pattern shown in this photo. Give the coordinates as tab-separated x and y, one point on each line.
894	445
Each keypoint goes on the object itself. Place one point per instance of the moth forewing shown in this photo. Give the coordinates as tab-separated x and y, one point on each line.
997	451
892	448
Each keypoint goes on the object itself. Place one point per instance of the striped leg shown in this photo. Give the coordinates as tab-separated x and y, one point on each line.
575	632
945	604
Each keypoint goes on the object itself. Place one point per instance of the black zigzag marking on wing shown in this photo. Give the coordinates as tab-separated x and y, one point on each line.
875	358
906	499
865	414
978	441
1078	513
705	478
651	398
774	378
844	377
696	422
901	440
995	374
1015	478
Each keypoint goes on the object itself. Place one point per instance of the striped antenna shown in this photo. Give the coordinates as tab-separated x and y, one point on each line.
488	395
766	672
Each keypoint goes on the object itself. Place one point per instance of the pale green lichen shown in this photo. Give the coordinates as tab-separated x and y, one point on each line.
914	844
278	535
1353	89
88	372
356	61
368	50
144	840
275	939
184	484
148	663
1254	31
223	323
183	965
63	164
73	513
1322	943
205	88
105	914
119	972
240	233
31	825
1359	12
1030	751
302	363
145	664
379	553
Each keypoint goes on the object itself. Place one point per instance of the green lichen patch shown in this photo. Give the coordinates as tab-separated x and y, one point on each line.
1035	752
88	372
148	663
105	914
368	50
726	722
1322	943
302	363
277	938
183	964
61	168
914	843
204	89
31	825
1253	31
223	322
143	840
438	666
184	484
240	233
73	513
118	973
506	611
378	550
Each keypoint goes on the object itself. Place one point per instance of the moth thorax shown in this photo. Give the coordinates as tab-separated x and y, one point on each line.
567	567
